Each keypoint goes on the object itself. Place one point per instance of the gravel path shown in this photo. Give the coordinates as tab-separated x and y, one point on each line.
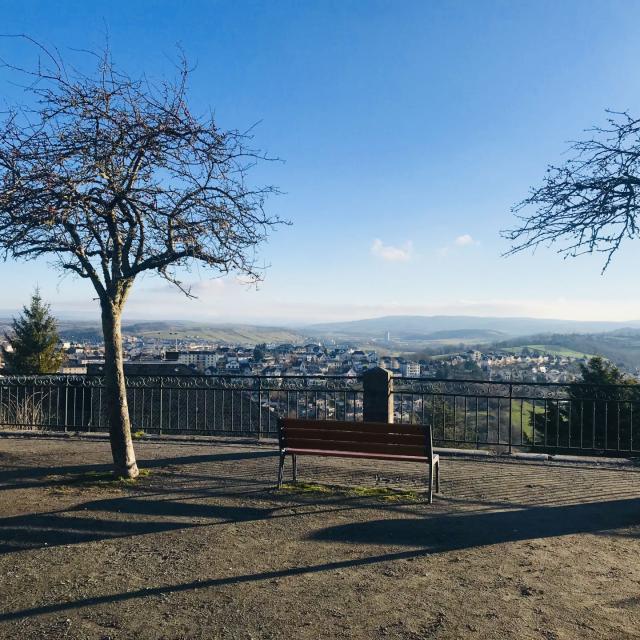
203	547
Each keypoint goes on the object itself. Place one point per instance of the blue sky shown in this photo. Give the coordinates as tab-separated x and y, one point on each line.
408	129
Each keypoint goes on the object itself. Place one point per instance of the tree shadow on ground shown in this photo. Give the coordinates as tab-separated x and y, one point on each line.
22	477
52	529
82	525
131	516
177	509
434	534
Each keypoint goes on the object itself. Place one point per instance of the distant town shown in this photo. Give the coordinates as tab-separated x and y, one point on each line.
155	356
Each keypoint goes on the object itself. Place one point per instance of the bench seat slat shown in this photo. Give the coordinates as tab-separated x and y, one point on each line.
353	436
362	447
339	425
356	454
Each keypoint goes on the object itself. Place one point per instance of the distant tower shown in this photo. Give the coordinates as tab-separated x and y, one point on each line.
388	336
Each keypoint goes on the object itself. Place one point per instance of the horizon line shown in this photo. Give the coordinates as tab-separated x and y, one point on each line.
6	314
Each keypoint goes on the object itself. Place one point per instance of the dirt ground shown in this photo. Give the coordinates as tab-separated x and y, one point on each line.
204	547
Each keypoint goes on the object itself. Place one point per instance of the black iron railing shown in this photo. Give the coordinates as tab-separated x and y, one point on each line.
570	418
204	405
550	417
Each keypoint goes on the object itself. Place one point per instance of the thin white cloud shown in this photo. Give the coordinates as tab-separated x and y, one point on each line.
390	253
464	240
202	287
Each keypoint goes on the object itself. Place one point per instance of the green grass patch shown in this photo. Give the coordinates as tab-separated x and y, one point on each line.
548	349
381	493
307	487
137	435
521	415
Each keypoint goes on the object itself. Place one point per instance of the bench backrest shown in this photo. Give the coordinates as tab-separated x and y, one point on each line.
361	437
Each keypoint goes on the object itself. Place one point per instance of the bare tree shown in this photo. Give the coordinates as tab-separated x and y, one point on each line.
591	203
111	177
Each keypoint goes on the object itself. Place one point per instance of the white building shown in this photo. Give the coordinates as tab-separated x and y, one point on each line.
200	359
410	369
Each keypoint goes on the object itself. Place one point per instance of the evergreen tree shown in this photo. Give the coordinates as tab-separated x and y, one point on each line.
599	371
258	352
34	340
597	413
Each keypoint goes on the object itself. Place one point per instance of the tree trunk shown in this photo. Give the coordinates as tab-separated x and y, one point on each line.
124	457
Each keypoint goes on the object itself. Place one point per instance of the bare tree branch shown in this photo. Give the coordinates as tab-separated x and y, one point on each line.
590	203
127	176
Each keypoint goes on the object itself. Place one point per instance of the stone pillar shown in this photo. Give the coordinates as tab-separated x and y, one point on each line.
378	395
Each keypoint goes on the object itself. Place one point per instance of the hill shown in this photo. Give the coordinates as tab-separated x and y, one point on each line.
226	333
622	346
460	335
466	329
222	333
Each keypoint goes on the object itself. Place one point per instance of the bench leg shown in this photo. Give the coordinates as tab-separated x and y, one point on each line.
294	460
438	476
281	469
430	482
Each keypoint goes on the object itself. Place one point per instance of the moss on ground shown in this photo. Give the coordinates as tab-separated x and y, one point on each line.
382	493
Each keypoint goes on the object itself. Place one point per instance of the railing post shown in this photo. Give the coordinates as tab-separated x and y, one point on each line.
510	416
160	411
260	409
66	403
377	403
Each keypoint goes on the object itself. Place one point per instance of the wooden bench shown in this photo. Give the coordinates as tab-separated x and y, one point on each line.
376	440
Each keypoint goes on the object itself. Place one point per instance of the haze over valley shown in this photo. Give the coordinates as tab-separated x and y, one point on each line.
417	336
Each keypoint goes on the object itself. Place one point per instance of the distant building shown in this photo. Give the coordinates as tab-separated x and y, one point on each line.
410	369
73	368
201	360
